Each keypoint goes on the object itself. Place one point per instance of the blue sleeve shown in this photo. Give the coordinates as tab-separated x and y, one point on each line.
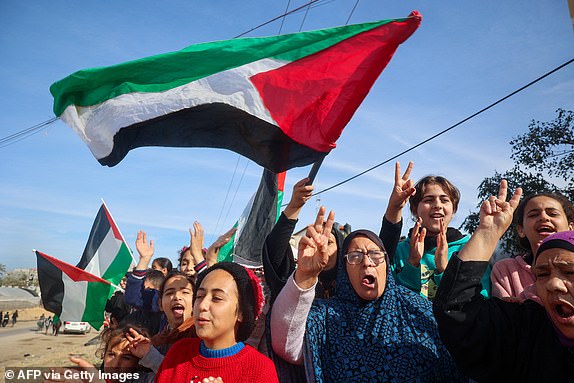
150	298
134	288
406	274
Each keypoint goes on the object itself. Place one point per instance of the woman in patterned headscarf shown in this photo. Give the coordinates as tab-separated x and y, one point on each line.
372	330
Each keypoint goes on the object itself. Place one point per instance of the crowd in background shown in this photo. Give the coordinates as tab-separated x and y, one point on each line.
362	306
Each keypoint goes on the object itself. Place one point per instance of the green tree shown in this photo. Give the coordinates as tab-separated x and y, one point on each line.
543	162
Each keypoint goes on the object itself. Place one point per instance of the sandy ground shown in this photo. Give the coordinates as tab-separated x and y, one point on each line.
24	346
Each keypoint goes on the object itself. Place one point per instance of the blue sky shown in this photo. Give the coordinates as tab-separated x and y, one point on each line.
464	56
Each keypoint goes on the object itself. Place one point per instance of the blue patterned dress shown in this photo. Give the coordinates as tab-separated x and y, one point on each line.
391	339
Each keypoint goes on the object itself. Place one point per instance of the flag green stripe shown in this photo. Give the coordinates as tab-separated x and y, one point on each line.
226	251
279	202
96	297
119	266
166	71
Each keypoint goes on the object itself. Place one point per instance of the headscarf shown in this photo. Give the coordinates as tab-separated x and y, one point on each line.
561	240
327	286
393	338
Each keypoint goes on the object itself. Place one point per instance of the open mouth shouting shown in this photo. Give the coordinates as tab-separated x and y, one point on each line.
178	310
545	230
564	312
368	281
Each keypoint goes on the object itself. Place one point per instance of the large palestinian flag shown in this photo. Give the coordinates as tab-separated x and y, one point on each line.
72	293
256	222
106	254
281	101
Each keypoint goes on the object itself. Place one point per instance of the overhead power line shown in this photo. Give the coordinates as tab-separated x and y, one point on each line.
447	129
277	18
19	136
352	11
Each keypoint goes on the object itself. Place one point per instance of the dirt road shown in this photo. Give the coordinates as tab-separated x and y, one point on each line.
24	346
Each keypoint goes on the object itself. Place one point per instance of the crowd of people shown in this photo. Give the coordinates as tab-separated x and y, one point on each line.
360	306
47	324
5	318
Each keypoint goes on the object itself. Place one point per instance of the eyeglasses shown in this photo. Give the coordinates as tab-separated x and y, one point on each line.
356	257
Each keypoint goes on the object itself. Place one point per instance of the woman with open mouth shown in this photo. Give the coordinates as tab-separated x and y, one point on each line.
372	330
495	340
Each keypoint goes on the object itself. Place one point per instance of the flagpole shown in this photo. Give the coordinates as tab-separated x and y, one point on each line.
119	231
314	170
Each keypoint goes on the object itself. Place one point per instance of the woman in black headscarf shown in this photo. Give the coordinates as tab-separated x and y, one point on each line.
372	330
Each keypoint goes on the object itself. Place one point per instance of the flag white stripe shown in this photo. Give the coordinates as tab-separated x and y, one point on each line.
98	124
74	301
104	255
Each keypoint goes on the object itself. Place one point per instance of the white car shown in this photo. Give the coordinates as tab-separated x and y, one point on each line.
75	327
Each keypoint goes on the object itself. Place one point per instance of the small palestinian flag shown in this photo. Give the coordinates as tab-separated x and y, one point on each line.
256	222
72	293
106	254
281	101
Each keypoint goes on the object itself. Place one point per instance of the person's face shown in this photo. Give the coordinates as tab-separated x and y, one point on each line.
332	249
123	283
118	359
186	265
554	271
543	216
176	301
368	280
216	310
156	266
435	205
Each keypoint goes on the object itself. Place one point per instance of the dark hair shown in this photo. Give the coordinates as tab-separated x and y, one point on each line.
245	295
518	217
181	252
172	274
155	277
119	334
448	187
164	263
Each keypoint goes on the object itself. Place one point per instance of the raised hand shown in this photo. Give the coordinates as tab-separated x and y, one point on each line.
417	244
495	213
403	189
196	242
313	250
495	219
139	344
441	253
213	250
301	194
145	250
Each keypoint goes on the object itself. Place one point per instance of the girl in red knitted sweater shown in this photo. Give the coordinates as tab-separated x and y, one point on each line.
227	300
